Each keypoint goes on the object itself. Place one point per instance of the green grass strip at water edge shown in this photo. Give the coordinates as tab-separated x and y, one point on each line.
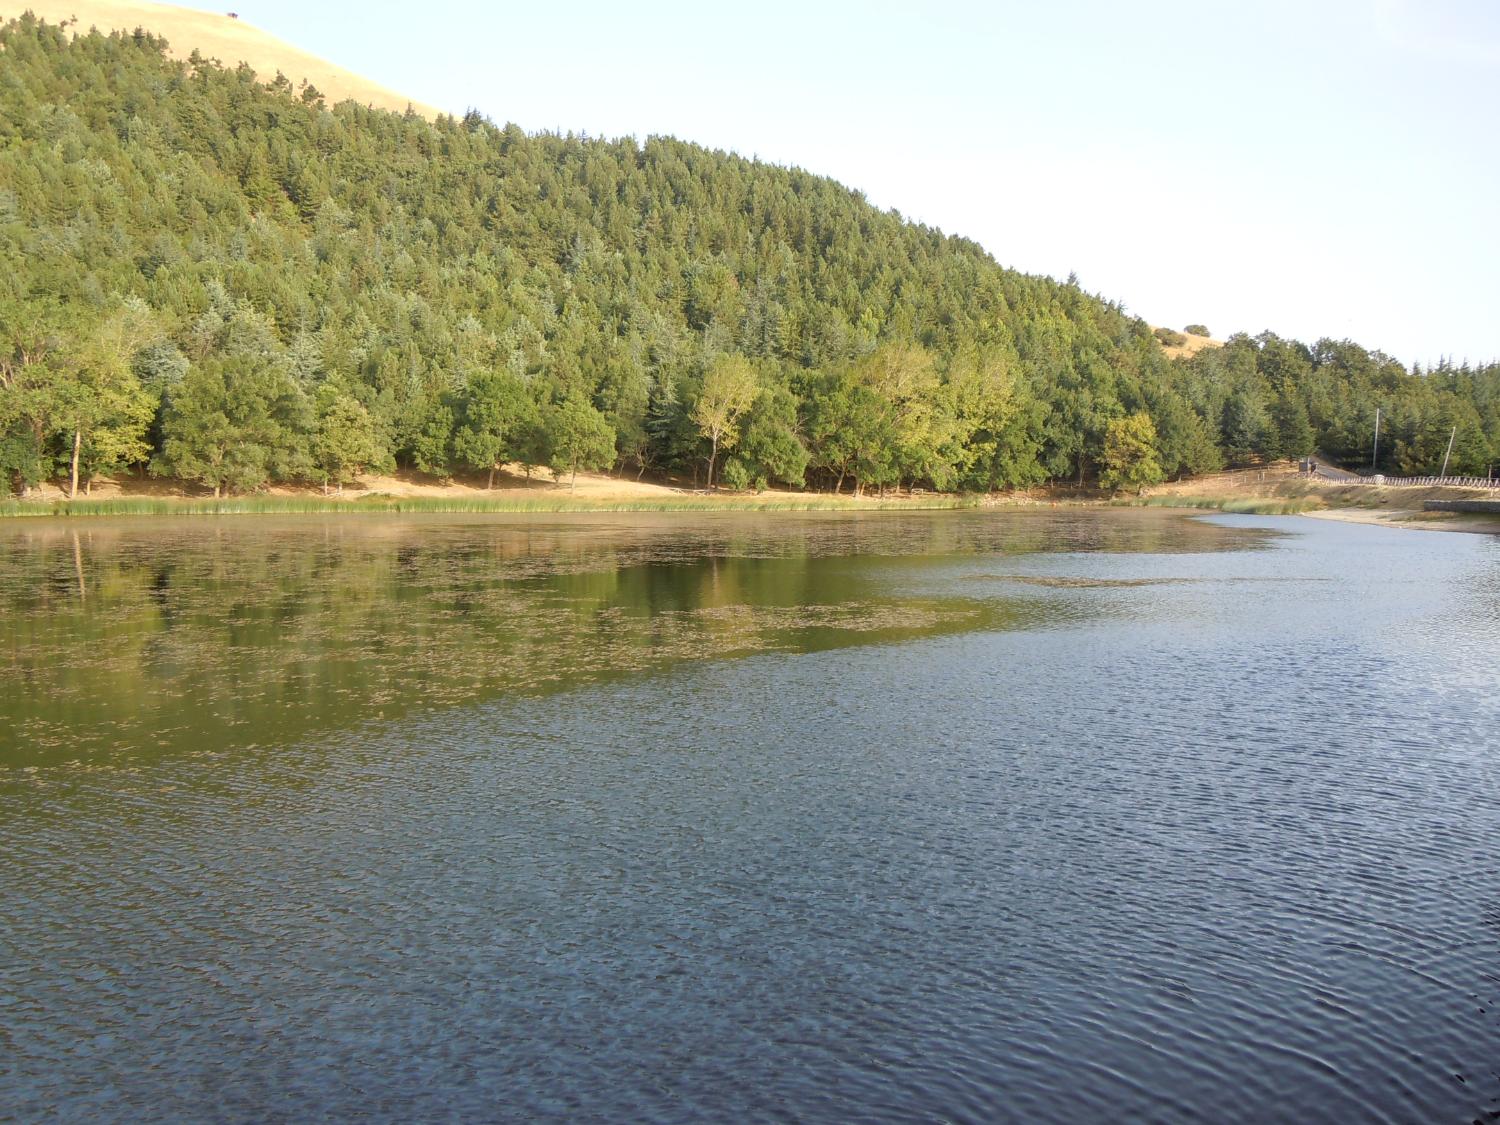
1237	505
294	505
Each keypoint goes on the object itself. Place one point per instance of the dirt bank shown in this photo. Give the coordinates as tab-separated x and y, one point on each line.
1412	520
1387	506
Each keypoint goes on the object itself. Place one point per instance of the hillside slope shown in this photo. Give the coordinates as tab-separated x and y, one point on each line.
237	284
216	35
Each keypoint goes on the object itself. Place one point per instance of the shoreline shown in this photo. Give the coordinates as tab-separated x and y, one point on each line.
381	504
513	492
1401	519
504	502
1276	490
1412	519
1281	490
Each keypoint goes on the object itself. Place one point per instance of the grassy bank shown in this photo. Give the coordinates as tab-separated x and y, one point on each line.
302	505
1239	505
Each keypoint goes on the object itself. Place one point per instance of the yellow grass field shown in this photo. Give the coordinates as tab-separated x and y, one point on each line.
1191	347
216	35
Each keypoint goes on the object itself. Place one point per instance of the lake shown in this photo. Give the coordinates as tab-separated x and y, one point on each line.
967	816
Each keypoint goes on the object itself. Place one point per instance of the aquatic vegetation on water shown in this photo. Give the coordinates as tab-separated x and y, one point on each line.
630	780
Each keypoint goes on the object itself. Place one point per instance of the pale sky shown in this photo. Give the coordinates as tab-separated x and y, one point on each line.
1318	168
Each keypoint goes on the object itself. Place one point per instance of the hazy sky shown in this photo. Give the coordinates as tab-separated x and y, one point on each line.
1319	168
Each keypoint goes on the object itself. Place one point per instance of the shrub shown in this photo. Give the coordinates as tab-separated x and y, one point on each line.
735	475
1196	330
1170	339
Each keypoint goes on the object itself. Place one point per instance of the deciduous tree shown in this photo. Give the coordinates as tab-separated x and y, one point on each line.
1130	460
580	439
729	388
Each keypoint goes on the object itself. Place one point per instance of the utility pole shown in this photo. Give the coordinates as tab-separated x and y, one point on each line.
1451	436
1375	456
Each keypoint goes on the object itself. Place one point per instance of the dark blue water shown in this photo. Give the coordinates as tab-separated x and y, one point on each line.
1206	832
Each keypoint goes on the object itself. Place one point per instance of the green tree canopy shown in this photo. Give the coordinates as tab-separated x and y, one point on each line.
233	424
580	439
457	280
1130	459
729	389
494	409
347	441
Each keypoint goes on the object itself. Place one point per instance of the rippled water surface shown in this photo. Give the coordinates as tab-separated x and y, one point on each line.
952	816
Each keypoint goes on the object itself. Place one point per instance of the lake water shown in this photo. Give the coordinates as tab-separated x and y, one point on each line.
955	816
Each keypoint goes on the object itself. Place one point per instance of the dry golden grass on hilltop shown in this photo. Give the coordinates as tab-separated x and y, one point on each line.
1190	346
217	35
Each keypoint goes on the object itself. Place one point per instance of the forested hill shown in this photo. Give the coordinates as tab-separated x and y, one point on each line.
232	282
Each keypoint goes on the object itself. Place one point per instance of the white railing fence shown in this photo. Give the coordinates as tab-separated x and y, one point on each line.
1414	482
